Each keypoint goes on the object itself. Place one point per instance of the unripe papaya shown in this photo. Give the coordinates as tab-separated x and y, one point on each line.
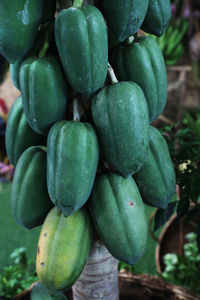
157	17
118	214
125	17
84	50
30	202
40	292
19	135
156	179
72	159
142	62
121	118
19	25
44	92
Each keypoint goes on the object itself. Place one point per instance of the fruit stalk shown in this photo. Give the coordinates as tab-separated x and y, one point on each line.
99	279
111	74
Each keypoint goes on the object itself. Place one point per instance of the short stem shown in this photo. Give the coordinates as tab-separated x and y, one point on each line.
43	148
77	3
111	73
130	40
76	115
46	44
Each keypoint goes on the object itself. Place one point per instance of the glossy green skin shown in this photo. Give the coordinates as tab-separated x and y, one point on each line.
19	135
14	73
44	92
30	202
84	50
156	179
18	27
125	17
72	158
118	214
40	292
157	17
63	249
121	118
142	62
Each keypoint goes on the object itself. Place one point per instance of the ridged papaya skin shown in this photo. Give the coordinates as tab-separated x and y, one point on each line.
14	73
30	202
142	62
157	17
72	159
19	135
84	50
125	17
19	26
40	292
121	118
156	179
118	214
63	249
44	92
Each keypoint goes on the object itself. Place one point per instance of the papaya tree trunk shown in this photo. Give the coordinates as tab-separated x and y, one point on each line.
99	279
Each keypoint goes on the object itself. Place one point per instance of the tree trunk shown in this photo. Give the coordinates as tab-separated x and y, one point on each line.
99	279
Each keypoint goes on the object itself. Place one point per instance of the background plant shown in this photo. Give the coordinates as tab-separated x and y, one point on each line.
184	270
184	144
18	276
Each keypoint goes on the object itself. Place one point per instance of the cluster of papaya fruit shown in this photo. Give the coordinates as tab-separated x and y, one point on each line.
104	158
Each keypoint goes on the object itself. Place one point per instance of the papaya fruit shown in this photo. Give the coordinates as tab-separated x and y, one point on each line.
19	25
40	292
124	17
19	135
63	249
157	17
121	118
84	50
72	159
117	212
14	73
156	179
30	201
44	92
142	62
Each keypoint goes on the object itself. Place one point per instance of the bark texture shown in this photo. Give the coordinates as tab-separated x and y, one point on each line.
99	279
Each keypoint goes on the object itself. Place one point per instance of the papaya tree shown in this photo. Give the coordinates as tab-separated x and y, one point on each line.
80	135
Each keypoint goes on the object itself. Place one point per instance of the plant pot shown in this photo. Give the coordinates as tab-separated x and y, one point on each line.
139	287
172	238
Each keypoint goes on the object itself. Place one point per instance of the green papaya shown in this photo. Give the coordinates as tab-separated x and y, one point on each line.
118	214
84	50
72	159
157	17
30	201
40	292
19	25
142	61
19	135
156	179
44	92
63	249
121	118
14	73
125	17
